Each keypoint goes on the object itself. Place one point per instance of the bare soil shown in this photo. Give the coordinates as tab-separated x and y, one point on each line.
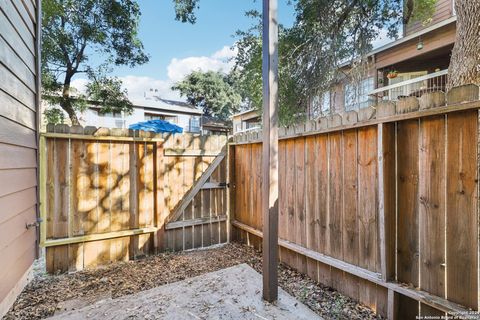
46	295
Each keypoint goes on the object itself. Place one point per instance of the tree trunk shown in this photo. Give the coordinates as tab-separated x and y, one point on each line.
66	105
66	102
465	62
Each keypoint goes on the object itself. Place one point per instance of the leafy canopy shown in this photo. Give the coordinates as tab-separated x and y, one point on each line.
75	29
325	35
210	91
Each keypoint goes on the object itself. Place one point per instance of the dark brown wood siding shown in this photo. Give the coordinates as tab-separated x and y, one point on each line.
18	140
443	11
439	38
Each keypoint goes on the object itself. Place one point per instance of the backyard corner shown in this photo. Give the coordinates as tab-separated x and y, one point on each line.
323	163
65	294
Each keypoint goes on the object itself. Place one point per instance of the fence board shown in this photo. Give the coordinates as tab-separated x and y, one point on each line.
310	195
432	205
350	231
461	206
408	178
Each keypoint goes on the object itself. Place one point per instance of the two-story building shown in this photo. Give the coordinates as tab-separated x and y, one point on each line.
245	121
410	66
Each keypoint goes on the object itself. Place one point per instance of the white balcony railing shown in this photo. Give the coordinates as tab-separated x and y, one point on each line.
415	87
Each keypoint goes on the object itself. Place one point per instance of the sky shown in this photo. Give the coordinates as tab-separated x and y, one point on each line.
177	48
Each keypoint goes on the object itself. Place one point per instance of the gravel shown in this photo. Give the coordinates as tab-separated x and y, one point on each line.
46	294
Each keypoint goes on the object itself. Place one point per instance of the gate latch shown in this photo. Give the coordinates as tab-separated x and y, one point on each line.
35	224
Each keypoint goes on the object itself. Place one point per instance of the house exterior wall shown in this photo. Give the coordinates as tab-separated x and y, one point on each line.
239	121
434	40
19	101
91	117
444	10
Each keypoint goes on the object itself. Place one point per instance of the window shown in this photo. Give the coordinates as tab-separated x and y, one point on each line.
320	105
194	124
110	114
356	96
152	116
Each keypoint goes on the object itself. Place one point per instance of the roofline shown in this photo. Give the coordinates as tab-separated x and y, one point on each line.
185	109
160	109
243	112
417	34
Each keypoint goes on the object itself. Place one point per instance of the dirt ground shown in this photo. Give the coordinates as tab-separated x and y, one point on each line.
47	294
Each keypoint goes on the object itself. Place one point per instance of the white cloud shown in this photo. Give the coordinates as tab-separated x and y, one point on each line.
80	84
227	52
136	86
220	60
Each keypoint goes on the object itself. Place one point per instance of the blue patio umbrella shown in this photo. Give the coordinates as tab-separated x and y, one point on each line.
157	126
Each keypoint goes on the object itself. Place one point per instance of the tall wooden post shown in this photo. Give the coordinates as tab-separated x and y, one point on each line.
270	150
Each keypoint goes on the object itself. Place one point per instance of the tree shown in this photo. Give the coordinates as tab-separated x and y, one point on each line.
210	91
465	61
327	33
73	29
247	73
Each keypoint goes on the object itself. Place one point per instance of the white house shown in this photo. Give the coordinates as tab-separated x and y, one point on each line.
149	108
177	112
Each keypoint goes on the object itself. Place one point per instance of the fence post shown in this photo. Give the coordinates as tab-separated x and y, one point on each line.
43	189
270	150
230	189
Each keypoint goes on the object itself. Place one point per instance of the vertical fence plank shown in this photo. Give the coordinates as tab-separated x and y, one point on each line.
350	239
290	257
461	197
367	210
310	202
300	222
323	204
407	203
432	205
335	195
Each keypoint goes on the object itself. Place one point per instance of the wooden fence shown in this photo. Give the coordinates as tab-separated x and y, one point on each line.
108	195
384	210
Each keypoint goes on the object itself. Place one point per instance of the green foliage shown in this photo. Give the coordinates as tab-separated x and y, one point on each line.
211	91
419	10
184	10
74	29
325	35
108	94
247	73
54	116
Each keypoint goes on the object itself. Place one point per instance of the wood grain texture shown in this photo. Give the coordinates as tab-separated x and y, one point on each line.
432	205
462	209
407	223
335	195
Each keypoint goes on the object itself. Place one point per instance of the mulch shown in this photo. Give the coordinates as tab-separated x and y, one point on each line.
45	294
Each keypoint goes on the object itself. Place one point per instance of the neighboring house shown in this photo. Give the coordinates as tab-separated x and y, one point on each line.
149	108
154	108
211	125
414	64
246	121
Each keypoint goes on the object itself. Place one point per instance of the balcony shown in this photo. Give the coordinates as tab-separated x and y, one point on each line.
415	87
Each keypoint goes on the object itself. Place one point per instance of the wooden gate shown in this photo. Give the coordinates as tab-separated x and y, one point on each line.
107	195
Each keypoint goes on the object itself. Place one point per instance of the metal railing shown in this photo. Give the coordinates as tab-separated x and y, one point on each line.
415	87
